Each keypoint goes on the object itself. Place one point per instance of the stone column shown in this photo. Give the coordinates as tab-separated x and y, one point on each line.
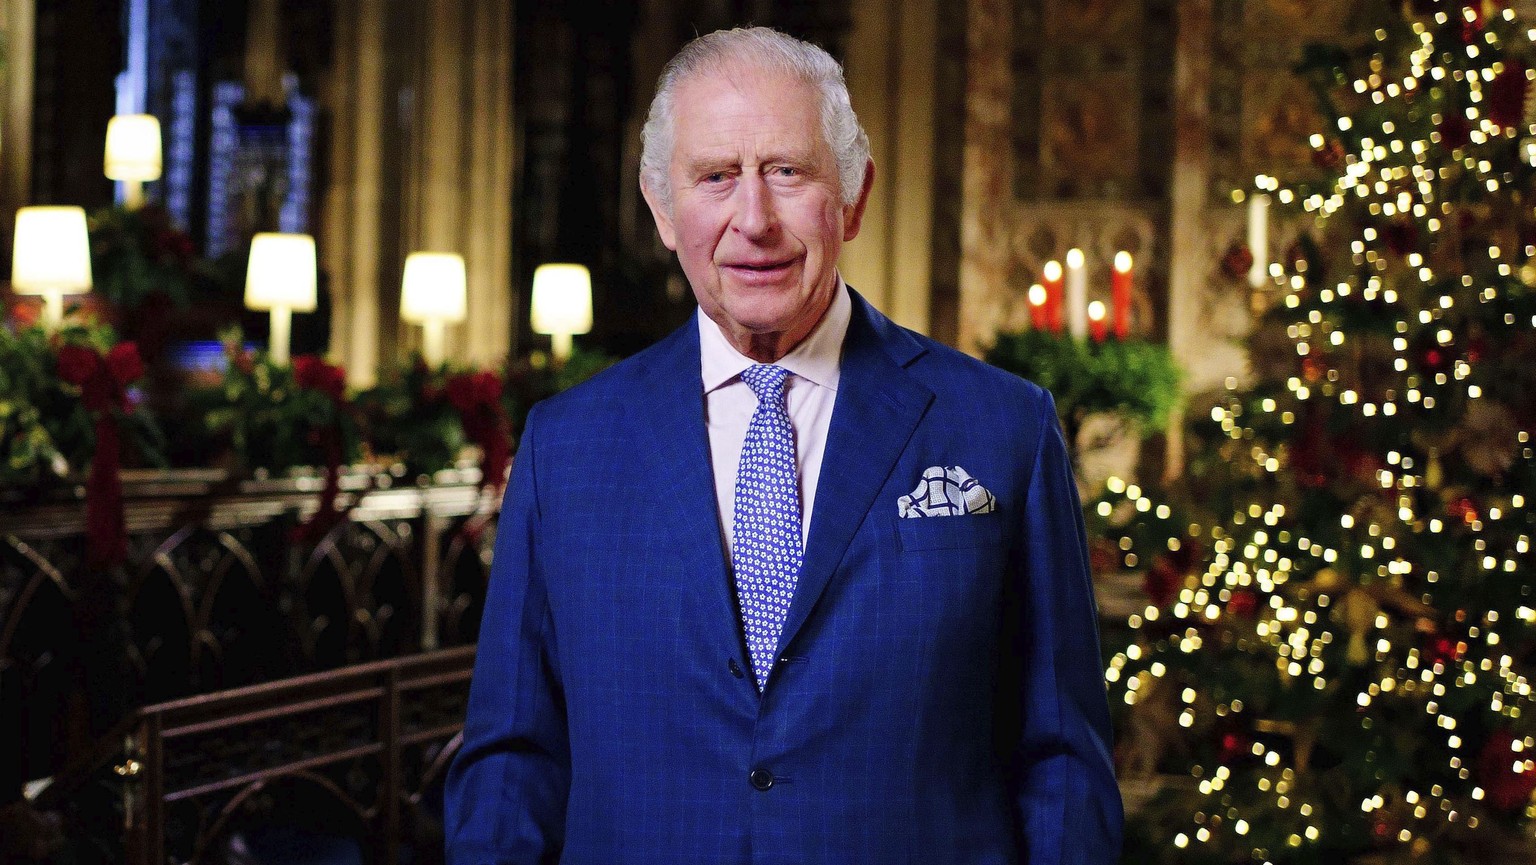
263	53
353	220
891	56
17	22
987	188
487	197
460	199
1188	191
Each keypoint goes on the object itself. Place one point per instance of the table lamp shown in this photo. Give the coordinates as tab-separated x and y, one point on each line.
133	154
51	257
433	294
281	278
561	305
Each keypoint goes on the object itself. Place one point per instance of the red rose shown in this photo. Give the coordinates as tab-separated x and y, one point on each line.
77	364
470	390
312	373
460	392
125	364
487	387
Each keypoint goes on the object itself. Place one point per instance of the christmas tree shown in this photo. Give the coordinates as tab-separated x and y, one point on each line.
1337	661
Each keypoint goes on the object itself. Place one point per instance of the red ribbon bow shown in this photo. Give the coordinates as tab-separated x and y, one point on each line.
477	398
103	382
312	373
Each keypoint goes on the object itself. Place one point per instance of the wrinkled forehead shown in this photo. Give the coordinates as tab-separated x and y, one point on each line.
705	88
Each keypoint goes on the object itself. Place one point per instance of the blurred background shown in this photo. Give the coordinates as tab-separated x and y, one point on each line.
283	278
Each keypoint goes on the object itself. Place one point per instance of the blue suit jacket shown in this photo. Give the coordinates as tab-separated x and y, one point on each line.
939	696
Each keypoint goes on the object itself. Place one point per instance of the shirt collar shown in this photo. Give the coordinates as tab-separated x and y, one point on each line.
817	358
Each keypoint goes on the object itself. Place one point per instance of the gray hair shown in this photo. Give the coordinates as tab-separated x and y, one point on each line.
763	48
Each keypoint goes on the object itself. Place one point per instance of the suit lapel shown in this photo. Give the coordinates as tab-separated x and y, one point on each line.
878	406
669	419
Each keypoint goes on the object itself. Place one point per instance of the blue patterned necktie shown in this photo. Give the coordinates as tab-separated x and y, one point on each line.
766	554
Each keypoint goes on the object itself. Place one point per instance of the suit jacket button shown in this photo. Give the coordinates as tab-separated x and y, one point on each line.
761	779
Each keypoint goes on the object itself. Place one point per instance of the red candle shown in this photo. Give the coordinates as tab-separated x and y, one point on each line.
1053	292
1097	326
1120	294
1037	313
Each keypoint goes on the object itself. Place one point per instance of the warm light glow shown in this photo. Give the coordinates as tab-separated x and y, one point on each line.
1037	294
281	273
1123	261
51	256
1052	271
561	304
281	278
1096	311
133	147
433	288
1074	258
52	252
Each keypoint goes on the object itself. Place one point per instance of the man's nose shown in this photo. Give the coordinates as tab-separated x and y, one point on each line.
755	217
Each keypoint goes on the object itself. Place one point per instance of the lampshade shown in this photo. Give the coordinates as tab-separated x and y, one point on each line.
433	288
562	299
52	253
133	147
281	272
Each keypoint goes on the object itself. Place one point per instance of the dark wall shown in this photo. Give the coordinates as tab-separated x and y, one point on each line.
79	52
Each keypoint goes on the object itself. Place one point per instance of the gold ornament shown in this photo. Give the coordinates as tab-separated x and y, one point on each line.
1357	611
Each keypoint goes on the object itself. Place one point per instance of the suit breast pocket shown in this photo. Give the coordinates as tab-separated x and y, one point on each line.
951	533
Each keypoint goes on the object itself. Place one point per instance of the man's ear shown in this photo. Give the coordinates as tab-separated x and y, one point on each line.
853	214
662	214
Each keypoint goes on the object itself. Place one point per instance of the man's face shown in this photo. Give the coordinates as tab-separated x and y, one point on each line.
757	217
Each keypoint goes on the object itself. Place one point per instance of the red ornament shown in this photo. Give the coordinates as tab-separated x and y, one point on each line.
1237	261
1442	650
1507	789
1244	604
1401	236
1463	509
1506	95
1330	156
1162	581
1454	130
1235	746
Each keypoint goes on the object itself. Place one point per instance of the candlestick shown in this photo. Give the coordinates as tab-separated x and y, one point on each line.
1037	311
1096	324
1120	294
1053	293
1258	237
1077	294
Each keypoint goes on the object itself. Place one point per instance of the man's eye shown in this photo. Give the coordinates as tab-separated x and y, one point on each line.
714	177
786	171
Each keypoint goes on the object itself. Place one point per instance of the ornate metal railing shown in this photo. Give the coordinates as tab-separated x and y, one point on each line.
369	743
220	591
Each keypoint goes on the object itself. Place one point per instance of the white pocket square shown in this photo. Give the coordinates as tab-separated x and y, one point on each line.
946	491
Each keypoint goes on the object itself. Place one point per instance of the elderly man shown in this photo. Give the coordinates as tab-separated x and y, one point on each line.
794	585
